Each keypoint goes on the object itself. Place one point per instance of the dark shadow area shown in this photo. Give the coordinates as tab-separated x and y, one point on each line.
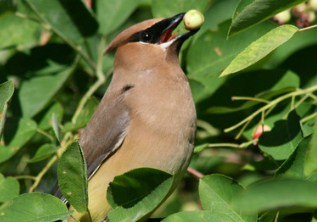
245	84
77	11
304	63
22	64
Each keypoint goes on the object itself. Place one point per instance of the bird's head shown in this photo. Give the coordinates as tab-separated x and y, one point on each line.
152	38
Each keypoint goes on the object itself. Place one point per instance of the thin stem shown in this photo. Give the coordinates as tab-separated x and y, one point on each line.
226	145
309	117
242	129
207	127
40	175
232	145
236	98
195	172
25	177
311	95
308	28
292	102
47	135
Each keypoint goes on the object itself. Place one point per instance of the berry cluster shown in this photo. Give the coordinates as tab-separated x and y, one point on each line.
301	15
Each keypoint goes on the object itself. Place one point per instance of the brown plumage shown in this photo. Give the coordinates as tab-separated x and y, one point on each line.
147	115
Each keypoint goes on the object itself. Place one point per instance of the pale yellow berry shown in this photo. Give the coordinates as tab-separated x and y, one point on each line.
300	8
313	4
283	17
193	19
311	16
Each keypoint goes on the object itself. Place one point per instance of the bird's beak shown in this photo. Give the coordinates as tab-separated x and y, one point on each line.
165	30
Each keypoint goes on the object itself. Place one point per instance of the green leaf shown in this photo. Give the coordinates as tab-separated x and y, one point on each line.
44	152
18	133
137	193
201	216
112	13
21	31
217	13
283	139
83	117
72	177
204	70
35	207
260	48
216	193
166	8
37	92
257	11
311	155
294	166
46	120
9	188
70	19
6	92
273	194
293	47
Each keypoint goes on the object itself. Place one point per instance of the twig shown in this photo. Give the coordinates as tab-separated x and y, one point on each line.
272	104
236	98
47	135
25	177
308	28
309	117
195	172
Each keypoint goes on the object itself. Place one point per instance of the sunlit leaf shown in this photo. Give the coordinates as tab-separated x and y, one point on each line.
204	70
201	216
277	193
260	48
21	31
216	193
35	207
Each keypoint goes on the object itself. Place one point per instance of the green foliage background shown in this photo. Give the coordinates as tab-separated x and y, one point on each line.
247	74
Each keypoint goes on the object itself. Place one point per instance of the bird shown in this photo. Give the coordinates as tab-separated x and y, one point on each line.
147	116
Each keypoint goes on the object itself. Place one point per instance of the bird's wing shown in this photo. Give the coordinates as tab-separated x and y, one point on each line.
105	132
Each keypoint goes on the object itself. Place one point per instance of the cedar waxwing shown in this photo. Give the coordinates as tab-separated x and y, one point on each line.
147	116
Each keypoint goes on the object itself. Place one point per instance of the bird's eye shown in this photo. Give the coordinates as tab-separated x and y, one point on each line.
146	37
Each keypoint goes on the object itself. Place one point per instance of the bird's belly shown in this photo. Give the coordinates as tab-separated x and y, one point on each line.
140	149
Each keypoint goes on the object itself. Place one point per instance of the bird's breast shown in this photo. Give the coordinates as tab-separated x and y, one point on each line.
163	124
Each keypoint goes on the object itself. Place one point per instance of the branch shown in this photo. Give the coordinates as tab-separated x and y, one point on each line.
271	104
